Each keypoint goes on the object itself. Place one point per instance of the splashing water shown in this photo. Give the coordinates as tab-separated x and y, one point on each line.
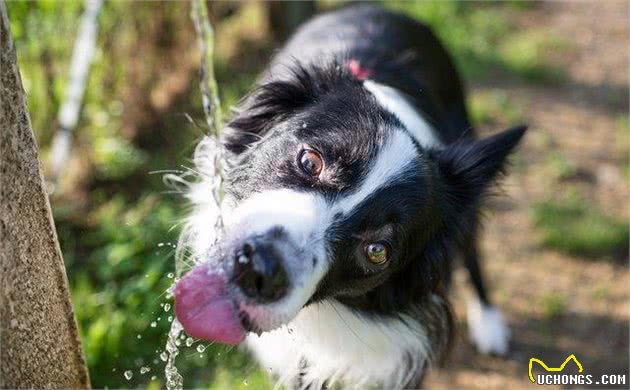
214	162
174	380
211	161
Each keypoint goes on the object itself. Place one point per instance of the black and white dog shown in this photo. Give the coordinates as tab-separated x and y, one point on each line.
354	182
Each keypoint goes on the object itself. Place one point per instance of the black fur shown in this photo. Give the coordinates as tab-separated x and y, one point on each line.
308	96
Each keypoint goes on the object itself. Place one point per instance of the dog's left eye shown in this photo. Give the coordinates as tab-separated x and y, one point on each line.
376	252
311	162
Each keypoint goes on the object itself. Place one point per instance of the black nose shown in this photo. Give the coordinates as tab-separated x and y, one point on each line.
259	272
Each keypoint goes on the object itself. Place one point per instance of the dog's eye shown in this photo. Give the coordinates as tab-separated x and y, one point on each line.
311	162
376	252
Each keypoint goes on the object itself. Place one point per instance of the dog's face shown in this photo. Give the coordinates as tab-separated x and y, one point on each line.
331	196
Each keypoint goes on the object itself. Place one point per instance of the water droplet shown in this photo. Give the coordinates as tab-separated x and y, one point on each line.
113	370
167	307
170	318
245	382
139	336
162	304
164	356
128	374
155	361
160	244
153	377
170	275
189	341
153	324
178	343
201	355
201	348
144	370
158	318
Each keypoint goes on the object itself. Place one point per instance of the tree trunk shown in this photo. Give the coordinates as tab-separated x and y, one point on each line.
39	341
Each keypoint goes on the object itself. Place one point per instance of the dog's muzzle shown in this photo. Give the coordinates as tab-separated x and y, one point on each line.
263	272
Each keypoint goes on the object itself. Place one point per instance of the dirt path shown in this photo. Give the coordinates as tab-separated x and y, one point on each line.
583	120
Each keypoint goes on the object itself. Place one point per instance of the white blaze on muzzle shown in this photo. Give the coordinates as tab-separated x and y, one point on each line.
302	217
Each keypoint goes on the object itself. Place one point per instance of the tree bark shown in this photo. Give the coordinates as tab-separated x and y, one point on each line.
39	341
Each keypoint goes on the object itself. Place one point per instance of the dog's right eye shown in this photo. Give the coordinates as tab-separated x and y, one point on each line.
311	162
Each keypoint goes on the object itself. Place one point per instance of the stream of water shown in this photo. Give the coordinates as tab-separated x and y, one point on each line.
174	380
210	162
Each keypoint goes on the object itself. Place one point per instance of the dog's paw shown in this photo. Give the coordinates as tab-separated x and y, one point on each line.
487	328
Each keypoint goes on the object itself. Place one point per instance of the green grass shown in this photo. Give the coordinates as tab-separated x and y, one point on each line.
487	107
527	55
600	292
561	167
553	305
485	42
578	228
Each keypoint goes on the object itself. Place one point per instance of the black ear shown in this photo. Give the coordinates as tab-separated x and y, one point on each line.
290	90
260	111
270	103
469	167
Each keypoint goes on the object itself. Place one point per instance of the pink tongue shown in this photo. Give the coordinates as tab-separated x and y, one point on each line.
204	308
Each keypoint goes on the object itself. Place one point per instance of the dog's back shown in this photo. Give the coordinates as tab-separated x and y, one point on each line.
389	48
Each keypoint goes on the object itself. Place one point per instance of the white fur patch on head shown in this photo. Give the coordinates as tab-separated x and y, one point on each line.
393	158
341	345
487	328
394	102
301	214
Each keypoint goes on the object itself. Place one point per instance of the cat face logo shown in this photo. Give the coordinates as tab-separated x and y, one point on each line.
553	369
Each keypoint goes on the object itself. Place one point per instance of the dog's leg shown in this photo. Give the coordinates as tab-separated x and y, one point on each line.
486	326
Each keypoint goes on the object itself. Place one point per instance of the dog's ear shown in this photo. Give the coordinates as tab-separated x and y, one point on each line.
469	167
270	103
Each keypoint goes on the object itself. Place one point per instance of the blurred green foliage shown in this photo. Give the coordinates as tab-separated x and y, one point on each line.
116	225
485	40
577	227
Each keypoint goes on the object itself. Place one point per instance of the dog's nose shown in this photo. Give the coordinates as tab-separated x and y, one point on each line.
259	272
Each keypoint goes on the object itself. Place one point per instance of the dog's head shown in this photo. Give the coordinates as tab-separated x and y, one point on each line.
332	196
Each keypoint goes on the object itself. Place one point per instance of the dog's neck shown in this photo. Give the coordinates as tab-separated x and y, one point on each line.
328	342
